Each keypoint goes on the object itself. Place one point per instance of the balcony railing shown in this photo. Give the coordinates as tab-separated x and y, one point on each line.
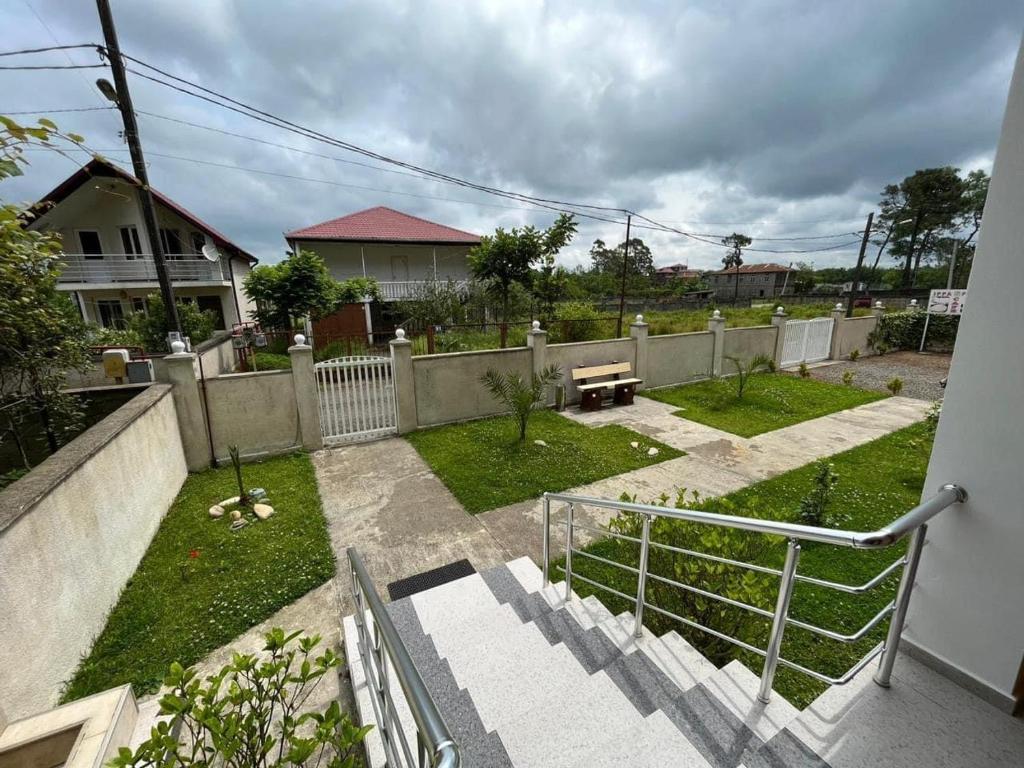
181	268
396	290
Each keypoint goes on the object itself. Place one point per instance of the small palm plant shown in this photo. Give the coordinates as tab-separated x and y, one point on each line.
519	396
745	368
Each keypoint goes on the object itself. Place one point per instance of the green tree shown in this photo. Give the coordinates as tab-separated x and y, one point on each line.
42	335
520	396
733	258
506	258
805	279
608	261
151	328
301	286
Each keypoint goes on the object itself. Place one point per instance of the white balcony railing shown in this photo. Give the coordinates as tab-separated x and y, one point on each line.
395	290
182	268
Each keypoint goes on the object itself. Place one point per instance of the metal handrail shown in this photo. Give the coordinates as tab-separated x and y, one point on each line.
436	746
913	523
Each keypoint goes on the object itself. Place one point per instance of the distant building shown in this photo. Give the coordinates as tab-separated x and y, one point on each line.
755	281
675	272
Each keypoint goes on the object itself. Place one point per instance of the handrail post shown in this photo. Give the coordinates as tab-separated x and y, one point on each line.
771	659
902	603
568	551
546	540
641	578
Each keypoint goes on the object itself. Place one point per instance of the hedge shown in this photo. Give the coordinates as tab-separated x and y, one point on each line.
902	330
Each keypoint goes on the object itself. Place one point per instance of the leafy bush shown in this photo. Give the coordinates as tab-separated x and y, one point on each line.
268	361
854	354
814	506
746	586
520	397
903	330
848	378
151	329
804	371
895	385
577	321
98	336
250	713
931	419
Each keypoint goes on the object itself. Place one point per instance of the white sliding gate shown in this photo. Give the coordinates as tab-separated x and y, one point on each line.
357	399
807	341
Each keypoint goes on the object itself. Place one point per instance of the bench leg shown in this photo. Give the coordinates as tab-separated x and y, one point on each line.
624	395
590	400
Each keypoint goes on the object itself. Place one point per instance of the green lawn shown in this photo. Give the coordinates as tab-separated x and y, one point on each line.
878	482
771	401
199	585
484	464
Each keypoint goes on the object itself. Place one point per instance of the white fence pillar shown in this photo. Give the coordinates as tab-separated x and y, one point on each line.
537	341
638	330
404	382
716	324
779	320
306	397
838	317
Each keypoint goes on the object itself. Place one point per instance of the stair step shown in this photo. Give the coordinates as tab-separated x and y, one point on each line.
737	687
655	743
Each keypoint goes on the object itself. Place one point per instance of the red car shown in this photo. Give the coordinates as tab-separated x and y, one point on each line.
862	301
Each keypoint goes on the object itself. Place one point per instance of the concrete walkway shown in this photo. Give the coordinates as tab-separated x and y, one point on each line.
716	463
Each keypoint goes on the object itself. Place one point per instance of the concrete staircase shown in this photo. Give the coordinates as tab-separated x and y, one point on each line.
524	678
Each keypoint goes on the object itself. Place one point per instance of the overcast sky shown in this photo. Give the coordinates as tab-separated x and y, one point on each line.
775	118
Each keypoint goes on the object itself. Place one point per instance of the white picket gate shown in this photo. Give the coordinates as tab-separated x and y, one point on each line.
807	341
357	399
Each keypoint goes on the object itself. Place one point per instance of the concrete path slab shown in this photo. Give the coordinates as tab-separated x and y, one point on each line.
383	499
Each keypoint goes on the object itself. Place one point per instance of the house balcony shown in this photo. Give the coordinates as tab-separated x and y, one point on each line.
80	271
397	290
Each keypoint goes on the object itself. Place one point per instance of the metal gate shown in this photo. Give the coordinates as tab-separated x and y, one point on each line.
807	341
357	399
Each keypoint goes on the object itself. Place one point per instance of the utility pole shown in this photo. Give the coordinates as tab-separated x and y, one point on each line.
952	264
123	99
860	261
622	289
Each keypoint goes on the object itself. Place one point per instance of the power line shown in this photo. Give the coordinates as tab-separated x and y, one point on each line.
59	111
57	66
48	48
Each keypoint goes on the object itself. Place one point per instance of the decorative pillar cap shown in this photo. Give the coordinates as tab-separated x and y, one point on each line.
839	306
299	339
177	347
717	314
400	333
878	305
536	325
913	302
780	311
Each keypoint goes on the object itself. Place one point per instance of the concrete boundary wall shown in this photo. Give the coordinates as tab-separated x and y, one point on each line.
255	411
447	387
584	353
679	357
72	532
746	343
853	334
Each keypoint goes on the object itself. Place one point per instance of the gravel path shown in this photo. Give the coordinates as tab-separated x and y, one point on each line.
921	374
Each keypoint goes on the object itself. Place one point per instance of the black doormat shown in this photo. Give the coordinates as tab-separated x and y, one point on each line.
428	579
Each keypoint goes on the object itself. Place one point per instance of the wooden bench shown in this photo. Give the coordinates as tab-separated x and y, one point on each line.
592	392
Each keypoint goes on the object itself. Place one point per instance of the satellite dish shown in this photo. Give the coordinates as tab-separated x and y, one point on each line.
211	253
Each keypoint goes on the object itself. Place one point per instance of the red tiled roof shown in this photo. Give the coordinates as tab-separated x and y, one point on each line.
753	269
101	167
383	224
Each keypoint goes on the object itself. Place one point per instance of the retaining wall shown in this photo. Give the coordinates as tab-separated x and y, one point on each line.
448	386
678	357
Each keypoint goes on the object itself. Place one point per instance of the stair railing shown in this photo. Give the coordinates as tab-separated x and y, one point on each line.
912	524
382	654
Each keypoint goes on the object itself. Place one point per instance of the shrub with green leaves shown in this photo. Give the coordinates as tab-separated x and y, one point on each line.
804	371
895	385
151	326
577	321
903	330
268	361
848	378
854	355
814	506
251	713
519	396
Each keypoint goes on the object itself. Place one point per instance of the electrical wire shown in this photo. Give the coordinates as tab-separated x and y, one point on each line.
48	48
59	111
56	66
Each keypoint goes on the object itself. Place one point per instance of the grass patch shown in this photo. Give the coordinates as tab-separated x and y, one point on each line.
485	466
772	401
879	481
177	607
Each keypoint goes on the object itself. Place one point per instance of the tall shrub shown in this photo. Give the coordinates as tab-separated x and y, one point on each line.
518	395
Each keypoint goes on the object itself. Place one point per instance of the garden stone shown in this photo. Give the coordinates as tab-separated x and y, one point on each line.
262	511
257	494
236	524
236	514
652	452
232	502
634	444
540	443
216	511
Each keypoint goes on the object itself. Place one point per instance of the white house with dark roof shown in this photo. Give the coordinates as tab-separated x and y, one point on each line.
108	268
755	281
401	251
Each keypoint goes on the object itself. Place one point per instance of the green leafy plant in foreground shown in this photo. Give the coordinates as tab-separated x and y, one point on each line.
251	713
745	368
814	506
895	385
521	398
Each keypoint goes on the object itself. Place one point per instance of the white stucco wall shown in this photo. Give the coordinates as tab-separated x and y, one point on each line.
587	353
448	386
255	411
968	607
71	534
388	263
678	357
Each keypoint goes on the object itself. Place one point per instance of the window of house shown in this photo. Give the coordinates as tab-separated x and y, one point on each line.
89	242
138	304
170	240
111	313
198	240
130	243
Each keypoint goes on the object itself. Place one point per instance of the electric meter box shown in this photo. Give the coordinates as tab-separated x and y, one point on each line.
115	363
140	371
